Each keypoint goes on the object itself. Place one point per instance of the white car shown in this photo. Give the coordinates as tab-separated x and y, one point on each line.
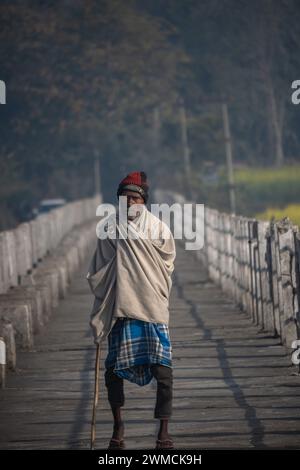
47	205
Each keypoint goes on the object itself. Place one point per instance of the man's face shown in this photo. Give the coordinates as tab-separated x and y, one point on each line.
132	198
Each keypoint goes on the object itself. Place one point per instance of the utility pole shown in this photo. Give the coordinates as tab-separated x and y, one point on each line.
186	149
229	160
154	148
156	128
97	183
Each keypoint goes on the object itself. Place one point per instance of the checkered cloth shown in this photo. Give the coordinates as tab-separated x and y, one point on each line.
133	345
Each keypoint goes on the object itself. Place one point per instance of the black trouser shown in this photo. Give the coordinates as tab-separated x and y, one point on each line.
164	392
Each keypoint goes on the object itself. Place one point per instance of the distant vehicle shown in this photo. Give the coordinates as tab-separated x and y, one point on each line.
46	205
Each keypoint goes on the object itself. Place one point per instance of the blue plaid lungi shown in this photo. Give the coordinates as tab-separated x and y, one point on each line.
133	345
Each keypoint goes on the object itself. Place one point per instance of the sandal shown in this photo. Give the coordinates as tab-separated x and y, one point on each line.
164	444
116	444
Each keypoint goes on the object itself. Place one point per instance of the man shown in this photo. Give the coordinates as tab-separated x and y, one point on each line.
131	279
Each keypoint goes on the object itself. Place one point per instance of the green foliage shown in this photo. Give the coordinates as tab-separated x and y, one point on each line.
261	188
292	211
77	79
84	78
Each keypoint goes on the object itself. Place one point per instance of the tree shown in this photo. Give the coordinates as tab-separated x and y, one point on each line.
89	73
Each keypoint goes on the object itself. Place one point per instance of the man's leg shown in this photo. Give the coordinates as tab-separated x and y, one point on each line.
164	396
115	391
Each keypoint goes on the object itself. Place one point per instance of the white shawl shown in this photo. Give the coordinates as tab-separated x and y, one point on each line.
131	277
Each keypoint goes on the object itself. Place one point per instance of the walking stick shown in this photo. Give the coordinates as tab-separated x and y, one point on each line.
96	395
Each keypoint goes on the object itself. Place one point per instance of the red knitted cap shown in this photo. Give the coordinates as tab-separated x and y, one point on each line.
135	181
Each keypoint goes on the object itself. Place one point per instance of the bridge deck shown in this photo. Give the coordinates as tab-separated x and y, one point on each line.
233	385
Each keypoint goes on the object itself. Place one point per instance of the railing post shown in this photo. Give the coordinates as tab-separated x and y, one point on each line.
2	362
265	313
288	289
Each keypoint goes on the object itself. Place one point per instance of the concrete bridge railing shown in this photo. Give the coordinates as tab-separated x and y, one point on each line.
257	264
38	260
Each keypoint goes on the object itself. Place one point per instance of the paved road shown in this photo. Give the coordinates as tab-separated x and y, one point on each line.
233	385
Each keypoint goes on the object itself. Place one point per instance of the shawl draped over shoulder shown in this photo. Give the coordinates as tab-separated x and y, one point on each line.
130	275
